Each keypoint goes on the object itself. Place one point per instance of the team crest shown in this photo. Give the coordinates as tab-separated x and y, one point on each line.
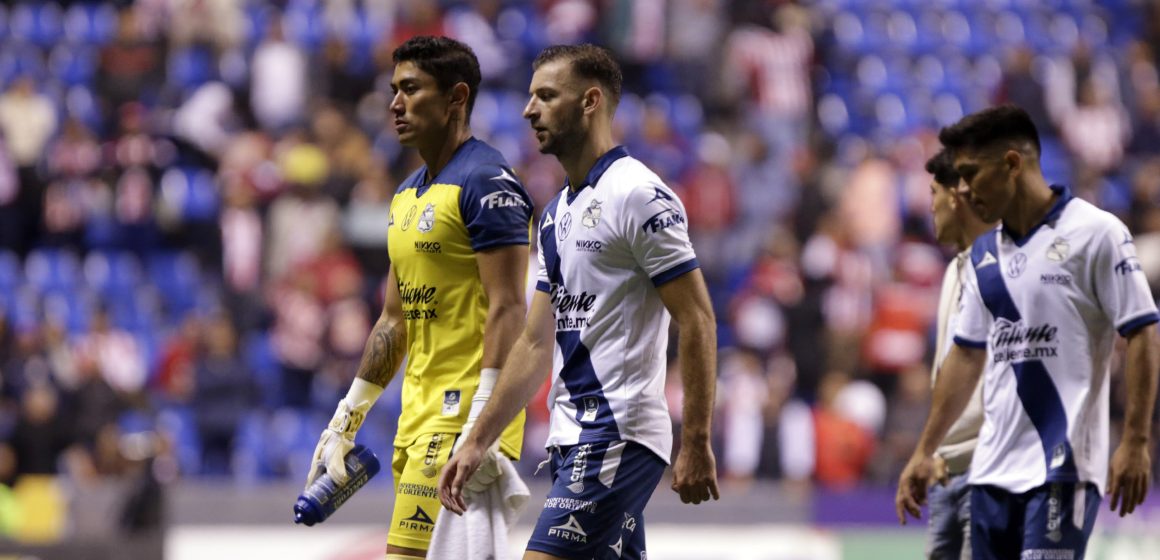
591	216
451	403
591	407
1058	249
427	219
564	226
410	217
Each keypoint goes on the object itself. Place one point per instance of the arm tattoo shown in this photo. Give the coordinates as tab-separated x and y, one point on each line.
384	352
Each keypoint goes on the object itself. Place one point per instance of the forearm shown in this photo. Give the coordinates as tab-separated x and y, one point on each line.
697	354
504	323
1141	372
525	369
384	351
953	390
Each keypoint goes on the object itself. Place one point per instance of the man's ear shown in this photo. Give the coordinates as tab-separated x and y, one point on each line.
1014	160
593	100
459	95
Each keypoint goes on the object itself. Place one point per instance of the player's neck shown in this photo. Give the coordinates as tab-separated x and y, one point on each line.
439	154
577	163
1032	201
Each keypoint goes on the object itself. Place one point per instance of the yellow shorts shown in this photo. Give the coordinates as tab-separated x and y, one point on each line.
417	468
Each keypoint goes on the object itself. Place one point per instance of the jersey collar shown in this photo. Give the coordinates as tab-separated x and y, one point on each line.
421	182
602	164
1052	215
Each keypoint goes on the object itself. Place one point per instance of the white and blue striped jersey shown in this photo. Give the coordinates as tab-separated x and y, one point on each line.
604	249
1047	307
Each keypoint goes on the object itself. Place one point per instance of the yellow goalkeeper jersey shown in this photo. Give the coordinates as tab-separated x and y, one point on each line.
435	228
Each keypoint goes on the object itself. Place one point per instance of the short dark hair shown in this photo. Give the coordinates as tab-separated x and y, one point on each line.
1004	124
447	60
942	166
588	61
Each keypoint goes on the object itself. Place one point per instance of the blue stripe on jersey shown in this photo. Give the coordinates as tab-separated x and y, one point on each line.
585	392
597	423
991	285
960	341
1036	390
674	272
1137	323
1043	405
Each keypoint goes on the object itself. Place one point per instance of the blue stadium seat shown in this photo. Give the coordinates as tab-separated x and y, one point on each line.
305	25
181	425
177	278
69	307
4	34
90	23
11	273
39	23
114	275
258	354
190	67
20	59
258	16
47	269
73	65
194	191
251	461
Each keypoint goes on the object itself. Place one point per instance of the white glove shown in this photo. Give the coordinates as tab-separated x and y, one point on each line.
338	438
488	470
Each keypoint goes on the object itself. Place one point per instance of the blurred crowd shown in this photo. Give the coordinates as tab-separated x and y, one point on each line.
194	197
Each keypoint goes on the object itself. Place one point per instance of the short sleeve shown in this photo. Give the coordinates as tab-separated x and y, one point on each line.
658	233
496	208
1120	286
974	318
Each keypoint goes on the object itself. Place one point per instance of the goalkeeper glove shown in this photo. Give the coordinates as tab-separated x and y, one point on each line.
338	438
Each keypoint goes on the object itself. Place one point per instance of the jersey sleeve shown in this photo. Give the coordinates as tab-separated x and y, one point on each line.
1119	283
543	283
974	317
496	208
658	233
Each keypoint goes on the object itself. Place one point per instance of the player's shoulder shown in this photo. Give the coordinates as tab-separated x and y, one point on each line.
629	178
1086	219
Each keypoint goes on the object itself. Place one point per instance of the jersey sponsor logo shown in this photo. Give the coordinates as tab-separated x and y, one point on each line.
420	521
1017	265
391	220
570	504
432	455
1040	554
1054	513
591	407
573	311
619	546
1054	279
505	176
451	403
421	295
591	216
419	490
1015	341
427	219
988	260
548	221
1128	266
502	199
629	523
579	467
428	247
589	246
570	531
564	227
1127	238
660	194
663	220
410	217
1058	249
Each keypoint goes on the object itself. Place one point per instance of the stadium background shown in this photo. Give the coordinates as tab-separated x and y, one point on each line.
193	195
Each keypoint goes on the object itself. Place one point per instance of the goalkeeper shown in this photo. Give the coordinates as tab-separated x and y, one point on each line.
455	301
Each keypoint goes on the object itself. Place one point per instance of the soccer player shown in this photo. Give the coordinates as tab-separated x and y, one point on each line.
955	223
614	262
455	303
1045	296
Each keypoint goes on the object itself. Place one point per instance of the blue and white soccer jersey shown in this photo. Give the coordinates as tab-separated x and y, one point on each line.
1047	306
603	251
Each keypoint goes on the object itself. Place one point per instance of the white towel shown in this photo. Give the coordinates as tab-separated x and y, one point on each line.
481	533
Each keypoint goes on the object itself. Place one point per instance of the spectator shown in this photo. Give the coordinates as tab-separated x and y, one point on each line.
278	87
299	222
223	394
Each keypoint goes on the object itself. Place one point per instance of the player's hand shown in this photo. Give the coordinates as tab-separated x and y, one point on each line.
695	473
942	473
912	486
336	441
1129	476
456	473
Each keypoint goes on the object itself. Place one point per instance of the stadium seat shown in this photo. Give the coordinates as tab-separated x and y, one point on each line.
11	275
115	276
73	65
72	308
47	269
192	192
304	25
177	278
190	67
90	23
39	23
181	425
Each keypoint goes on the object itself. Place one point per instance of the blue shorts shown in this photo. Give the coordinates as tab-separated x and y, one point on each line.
595	507
1050	522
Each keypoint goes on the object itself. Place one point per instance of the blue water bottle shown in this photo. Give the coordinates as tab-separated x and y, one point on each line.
325	496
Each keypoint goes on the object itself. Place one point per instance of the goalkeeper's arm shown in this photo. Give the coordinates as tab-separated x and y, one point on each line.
381	358
502	271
